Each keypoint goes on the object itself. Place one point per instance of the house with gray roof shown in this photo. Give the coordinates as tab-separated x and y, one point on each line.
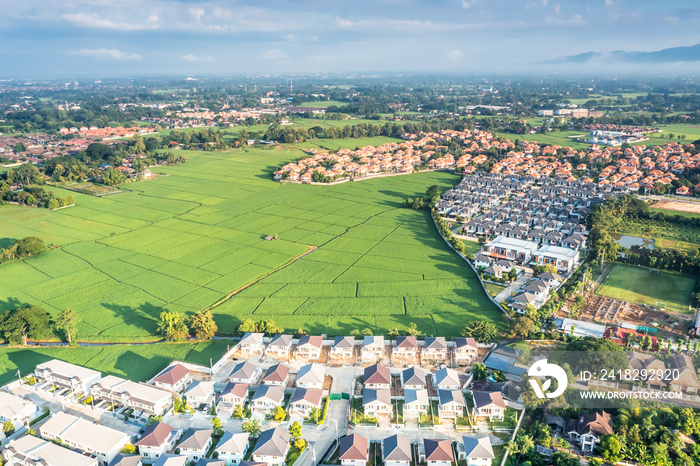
376	402
451	403
372	348
343	348
170	459
123	459
303	400
252	343
311	376
435	350
244	372
397	451
272	446
353	450
447	379
276	375
414	377
232	447
416	402
280	346
477	451
194	443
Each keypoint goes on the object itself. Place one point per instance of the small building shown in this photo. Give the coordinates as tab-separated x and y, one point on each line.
466	350
174	378
377	376
66	375
447	379
438	452
157	439
29	450
588	428
416	402
414	377
309	348
489	404
477	451
245	372
252	343
305	399
138	396
311	376
232	447
17	410
376	402
170	459
512	249
353	450
564	259
406	348
435	350
272	447
343	349
200	392
123	459
195	443
372	348
451	403
232	396
280	346
267	398
579	328
276	375
397	451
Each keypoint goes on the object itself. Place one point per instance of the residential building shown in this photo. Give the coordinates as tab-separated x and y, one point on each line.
67	375
477	451
588	428
157	439
376	402
489	404
174	378
435	350
276	375
578	328
311	376
397	451
252	343
438	452
414	377
406	348
505	359
29	451
267	397
138	396
687	380
88	437
513	249
353	450
280	346
245	372
451	403
232	447
309	348
466	350
372	348
343	349
233	395
447	379
17	410
305	399
377	376
170	459
123	459
415	402
194	443
272	447
564	259
200	392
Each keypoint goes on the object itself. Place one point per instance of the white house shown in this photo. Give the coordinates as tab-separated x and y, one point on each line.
451	403
233	395
564	259
157	439
252	343
512	249
232	447
200	392
343	348
174	378
376	402
309	348
406	348
435	350
303	400
477	451
414	377
29	451
63	374
245	372
416	402
170	459
397	451
447	379
311	376
83	435
372	348
194	443
377	376
588	428
466	350
272	446
139	396
276	375
353	450
280	346
489	404
267	397
438	452
17	410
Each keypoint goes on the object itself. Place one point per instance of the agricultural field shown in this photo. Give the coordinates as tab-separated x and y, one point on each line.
639	285
561	138
665	235
323	103
345	143
135	362
185	241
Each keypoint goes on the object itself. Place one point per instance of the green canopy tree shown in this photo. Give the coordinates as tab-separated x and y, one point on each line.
247	326
68	321
172	326
252	426
20	324
482	331
203	325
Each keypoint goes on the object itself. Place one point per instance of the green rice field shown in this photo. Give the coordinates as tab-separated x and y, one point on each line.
183	242
639	285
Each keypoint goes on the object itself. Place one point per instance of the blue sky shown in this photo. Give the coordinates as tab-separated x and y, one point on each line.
107	38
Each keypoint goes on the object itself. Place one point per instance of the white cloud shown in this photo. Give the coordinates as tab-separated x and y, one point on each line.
191	57
275	54
454	55
608	2
112	54
95	22
466	4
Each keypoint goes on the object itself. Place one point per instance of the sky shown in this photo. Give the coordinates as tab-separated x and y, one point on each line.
101	38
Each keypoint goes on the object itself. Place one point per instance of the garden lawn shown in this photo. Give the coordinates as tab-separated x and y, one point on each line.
639	285
186	241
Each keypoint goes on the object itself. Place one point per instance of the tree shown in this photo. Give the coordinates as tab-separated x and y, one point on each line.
480	371
481	330
295	430
67	322
269	327
365	332
172	326
20	147
522	327
138	146
247	326
128	449
413	330
20	324
112	176
315	414
29	246
154	420
203	325
238	412
279	414
610	448
252	426
8	428
217	426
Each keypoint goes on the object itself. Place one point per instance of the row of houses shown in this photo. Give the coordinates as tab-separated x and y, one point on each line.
524	252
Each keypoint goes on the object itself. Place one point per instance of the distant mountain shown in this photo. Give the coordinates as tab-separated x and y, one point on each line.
669	55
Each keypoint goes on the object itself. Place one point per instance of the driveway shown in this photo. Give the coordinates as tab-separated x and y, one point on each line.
515	286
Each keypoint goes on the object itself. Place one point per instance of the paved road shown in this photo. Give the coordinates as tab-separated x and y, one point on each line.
513	287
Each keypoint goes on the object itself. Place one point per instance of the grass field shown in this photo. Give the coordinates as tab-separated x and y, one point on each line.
182	242
135	362
638	284
323	103
674	212
560	138
348	143
665	235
